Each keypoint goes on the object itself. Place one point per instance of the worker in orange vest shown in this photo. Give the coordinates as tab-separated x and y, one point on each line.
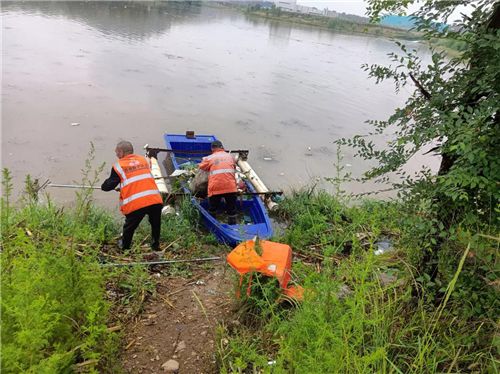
139	194
221	170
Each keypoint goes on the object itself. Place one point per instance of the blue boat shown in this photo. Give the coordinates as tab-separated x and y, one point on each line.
253	218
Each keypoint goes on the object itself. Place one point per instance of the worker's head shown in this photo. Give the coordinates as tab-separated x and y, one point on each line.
123	149
217	144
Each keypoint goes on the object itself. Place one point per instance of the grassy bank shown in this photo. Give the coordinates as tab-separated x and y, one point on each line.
366	313
334	24
452	48
54	310
62	311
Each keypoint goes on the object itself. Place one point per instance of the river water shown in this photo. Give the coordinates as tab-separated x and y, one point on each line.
80	72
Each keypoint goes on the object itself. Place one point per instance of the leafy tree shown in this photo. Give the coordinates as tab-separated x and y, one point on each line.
455	105
455	108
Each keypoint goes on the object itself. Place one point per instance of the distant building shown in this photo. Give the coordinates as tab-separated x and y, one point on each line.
315	11
286	5
302	9
292	6
330	13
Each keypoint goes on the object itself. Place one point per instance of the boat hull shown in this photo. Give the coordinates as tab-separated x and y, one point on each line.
251	208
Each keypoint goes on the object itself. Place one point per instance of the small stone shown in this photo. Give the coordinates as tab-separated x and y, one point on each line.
344	291
171	366
387	279
181	346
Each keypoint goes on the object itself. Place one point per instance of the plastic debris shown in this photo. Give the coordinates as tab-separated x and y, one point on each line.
75	124
383	246
168	209
178	172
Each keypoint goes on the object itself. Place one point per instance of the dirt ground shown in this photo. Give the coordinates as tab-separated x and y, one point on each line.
179	323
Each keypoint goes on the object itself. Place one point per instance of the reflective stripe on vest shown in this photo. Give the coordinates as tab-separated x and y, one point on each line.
219	156
126	181
137	185
138	196
136	178
120	171
222	171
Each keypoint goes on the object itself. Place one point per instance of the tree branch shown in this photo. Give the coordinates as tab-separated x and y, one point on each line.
424	92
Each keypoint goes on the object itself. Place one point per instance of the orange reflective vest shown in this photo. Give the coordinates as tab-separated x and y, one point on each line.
137	185
221	172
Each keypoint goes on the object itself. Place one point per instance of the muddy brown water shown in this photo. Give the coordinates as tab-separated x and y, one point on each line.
81	72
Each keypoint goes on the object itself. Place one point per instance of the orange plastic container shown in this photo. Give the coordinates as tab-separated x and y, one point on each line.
276	261
243	258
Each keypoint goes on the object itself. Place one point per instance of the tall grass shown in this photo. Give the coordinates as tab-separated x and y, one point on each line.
53	310
365	313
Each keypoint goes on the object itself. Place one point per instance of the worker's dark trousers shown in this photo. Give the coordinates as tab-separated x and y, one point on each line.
133	219
230	199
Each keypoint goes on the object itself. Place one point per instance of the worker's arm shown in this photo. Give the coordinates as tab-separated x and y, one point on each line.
205	164
112	182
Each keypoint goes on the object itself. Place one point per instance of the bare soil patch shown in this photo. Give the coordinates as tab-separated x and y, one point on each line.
179	323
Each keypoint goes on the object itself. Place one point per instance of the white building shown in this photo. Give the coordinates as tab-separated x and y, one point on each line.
292	6
287	5
330	13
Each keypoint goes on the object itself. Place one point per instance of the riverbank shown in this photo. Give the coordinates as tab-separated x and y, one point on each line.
334	24
366	306
451	48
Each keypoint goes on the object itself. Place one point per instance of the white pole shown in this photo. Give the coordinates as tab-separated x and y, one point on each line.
157	175
259	186
72	186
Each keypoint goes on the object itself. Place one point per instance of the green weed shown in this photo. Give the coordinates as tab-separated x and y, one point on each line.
53	311
365	313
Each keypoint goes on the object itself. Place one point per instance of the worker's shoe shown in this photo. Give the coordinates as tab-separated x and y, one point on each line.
231	220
